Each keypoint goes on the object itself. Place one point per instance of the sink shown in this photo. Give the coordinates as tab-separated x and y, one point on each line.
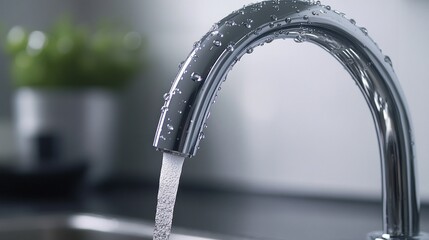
88	227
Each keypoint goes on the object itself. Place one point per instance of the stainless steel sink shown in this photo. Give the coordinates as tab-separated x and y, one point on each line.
87	227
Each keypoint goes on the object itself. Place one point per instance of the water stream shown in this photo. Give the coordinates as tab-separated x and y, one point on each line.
168	185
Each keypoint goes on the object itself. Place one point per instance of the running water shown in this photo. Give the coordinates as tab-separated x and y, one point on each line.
168	185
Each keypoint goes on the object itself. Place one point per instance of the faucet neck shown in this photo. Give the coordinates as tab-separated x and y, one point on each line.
187	105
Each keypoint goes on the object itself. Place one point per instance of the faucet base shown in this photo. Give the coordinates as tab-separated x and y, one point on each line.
382	236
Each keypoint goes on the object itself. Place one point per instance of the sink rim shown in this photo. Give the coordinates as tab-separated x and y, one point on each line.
99	223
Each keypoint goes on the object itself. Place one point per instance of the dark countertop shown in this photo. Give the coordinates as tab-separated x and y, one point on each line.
237	214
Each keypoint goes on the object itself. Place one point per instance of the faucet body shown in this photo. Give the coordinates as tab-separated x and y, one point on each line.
187	104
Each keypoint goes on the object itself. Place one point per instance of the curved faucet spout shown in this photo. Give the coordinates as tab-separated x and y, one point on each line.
188	102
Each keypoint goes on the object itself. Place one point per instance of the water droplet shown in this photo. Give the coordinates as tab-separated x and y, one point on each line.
257	31
181	64
205	125
230	48
269	40
217	43
180	112
197	44
273	17
353	21
230	23
167	96
297	11
214	27
328	7
248	23
314	13
288	20
318	3
299	39
196	77
388	60
249	50
164	109
271	25
163	138
305	17
214	33
276	7
171	128
195	57
201	136
364	30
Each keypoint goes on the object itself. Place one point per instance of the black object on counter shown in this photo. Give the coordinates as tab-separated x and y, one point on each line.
45	181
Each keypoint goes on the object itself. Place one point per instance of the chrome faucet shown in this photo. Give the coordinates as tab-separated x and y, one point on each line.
187	104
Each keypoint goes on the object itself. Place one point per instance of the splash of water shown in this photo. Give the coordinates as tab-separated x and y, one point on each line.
168	185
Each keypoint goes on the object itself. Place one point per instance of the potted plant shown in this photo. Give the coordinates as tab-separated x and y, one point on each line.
66	100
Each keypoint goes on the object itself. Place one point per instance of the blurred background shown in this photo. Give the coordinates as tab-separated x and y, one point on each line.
260	138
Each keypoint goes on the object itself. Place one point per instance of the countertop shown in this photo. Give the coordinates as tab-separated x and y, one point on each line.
224	212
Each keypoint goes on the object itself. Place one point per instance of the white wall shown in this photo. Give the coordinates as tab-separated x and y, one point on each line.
289	118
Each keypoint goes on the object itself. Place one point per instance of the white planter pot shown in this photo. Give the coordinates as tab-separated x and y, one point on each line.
55	126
